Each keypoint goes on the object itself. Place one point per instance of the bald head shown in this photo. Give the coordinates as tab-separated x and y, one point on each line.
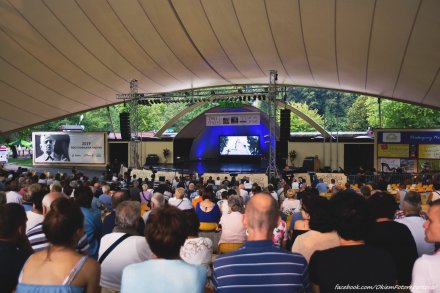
261	215
48	199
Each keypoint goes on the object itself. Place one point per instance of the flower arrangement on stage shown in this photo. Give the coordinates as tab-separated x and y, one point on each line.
166	152
292	157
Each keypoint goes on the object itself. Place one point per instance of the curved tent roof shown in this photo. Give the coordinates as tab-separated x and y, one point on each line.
59	57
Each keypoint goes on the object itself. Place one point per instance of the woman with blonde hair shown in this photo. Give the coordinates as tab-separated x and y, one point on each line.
290	205
179	200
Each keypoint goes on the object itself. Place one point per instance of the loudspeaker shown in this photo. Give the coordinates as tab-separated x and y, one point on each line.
282	148
124	123
284	124
309	164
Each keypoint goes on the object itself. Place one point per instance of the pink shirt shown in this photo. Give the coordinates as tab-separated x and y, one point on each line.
233	230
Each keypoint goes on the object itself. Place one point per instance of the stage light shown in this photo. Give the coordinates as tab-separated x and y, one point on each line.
125	104
266	135
255	97
186	93
240	91
212	92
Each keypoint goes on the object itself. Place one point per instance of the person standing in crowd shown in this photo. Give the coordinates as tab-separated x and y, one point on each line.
425	272
166	233
14	245
59	268
277	270
131	247
353	262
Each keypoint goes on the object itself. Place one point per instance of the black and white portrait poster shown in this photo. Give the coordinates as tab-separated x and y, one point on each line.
72	148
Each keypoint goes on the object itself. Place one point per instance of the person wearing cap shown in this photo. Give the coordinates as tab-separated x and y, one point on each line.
47	145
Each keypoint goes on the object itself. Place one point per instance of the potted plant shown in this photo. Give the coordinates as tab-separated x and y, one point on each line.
166	153
292	157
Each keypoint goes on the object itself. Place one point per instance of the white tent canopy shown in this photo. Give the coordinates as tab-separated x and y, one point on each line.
59	57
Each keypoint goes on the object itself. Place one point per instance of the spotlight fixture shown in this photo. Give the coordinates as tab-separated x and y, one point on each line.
212	92
124	103
186	93
240	91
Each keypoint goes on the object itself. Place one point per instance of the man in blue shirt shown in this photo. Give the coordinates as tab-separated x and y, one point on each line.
322	186
259	266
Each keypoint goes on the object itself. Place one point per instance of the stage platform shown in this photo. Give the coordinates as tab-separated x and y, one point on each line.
212	166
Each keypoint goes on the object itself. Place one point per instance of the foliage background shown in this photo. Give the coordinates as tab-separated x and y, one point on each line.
332	109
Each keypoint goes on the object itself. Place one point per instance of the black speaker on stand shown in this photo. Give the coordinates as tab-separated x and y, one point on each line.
282	151
124	123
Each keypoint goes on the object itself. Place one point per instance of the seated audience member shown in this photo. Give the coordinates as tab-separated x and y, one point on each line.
105	199
278	270
196	250
131	247
135	192
411	205
425	272
290	205
391	236
223	202
109	221
180	201
435	194
146	194
2	197
92	220
35	215
233	231
165	232
36	236
14	245
280	234
353	262
322	186
59	268
157	201
321	234
208	212
301	226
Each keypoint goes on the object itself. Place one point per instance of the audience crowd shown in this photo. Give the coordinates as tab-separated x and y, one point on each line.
70	233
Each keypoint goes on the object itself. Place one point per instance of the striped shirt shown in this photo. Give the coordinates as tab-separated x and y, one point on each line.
38	240
259	266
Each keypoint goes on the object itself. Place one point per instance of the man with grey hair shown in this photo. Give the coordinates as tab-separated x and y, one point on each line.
157	201
47	146
130	247
411	206
36	236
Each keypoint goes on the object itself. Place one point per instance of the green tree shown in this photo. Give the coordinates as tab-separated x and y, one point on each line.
357	115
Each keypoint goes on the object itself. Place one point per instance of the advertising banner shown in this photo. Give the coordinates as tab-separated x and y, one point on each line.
69	148
429	151
393	150
232	119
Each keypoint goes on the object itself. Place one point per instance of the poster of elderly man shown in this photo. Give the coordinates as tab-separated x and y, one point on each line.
52	148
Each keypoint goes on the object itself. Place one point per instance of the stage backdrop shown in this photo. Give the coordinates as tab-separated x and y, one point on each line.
86	148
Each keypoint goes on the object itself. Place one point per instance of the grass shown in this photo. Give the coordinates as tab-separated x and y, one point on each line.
27	162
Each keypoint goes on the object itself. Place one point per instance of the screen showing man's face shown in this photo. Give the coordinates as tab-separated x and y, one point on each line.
47	145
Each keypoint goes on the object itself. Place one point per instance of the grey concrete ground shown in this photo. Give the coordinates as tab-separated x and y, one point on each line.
87	171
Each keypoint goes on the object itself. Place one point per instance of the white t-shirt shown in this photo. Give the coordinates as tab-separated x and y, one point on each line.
33	220
223	205
290	206
181	204
425	274
132	250
15	197
244	195
415	225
